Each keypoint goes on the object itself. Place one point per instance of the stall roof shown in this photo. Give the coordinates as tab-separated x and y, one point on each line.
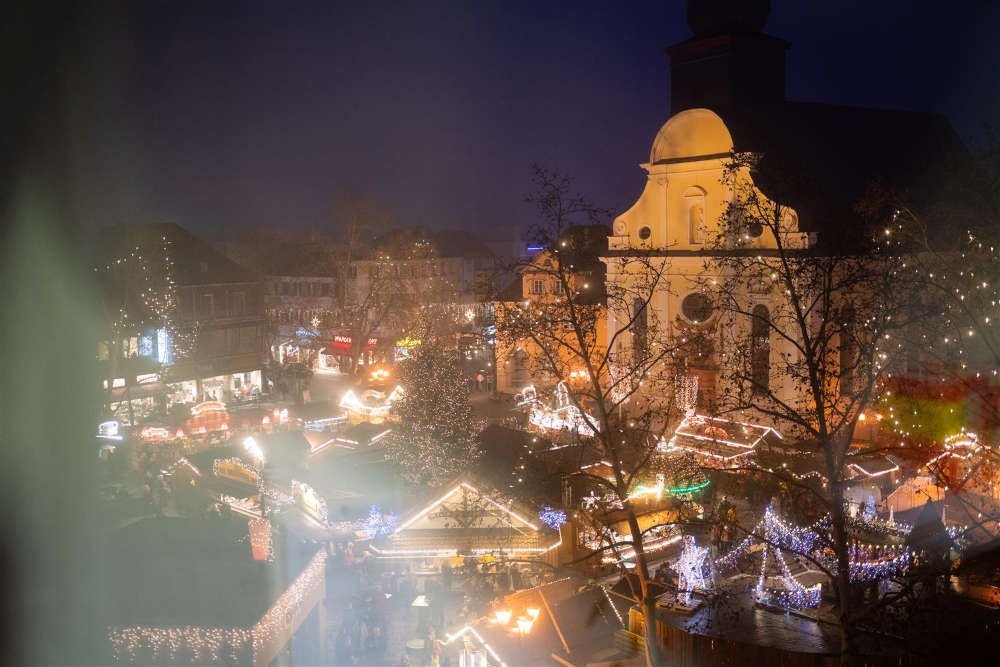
460	518
719	438
178	571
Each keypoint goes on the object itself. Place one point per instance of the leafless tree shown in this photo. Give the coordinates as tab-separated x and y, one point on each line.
808	339
602	351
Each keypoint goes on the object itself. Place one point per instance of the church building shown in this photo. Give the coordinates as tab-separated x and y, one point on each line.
816	161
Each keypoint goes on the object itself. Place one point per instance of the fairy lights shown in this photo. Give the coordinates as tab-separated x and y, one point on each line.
564	416
468	629
376	408
309	501
225	645
237	470
207	407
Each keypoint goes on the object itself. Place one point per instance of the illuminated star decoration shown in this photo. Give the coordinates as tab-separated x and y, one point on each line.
378	523
552	518
690	568
314	322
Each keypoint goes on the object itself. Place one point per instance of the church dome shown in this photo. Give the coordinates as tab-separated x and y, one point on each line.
691	133
707	18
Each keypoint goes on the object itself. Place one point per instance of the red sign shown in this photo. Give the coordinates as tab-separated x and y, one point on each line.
342	345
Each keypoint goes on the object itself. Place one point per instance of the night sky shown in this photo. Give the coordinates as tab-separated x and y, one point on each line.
219	118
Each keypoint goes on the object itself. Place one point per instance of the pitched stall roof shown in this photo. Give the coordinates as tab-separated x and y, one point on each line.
719	438
462	519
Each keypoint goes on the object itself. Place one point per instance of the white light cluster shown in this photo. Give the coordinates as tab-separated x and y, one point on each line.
350	402
565	415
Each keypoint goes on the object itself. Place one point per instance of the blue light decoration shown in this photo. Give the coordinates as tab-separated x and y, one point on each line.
146	346
552	518
378	523
164	348
302	332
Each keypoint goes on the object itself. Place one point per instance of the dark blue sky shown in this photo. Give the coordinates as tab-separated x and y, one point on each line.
216	118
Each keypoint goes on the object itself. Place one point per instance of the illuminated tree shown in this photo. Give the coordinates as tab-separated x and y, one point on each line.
436	433
139	294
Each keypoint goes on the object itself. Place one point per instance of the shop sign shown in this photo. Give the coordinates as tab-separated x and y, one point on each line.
342	344
408	342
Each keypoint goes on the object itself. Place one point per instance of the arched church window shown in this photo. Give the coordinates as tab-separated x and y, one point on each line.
640	330
760	349
694	204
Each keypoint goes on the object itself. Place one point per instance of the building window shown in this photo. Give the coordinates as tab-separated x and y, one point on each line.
640	330
760	349
207	305
697	307
645	233
535	286
694	204
239	303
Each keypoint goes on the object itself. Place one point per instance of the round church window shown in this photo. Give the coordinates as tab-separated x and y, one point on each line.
697	307
645	233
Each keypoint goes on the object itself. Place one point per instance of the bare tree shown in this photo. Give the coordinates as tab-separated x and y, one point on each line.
603	352
809	337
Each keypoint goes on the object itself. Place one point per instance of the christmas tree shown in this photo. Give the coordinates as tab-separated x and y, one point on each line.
436	434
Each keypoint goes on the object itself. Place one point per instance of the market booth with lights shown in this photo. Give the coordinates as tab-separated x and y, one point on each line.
461	520
225	592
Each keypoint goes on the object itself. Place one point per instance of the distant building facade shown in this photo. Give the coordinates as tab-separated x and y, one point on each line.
184	322
520	364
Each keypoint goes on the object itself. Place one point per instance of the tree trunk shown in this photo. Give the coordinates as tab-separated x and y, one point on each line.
654	657
848	647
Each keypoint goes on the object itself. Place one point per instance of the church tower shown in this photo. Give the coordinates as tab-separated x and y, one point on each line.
729	65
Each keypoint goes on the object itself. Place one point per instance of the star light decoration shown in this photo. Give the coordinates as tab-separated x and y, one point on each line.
690	569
